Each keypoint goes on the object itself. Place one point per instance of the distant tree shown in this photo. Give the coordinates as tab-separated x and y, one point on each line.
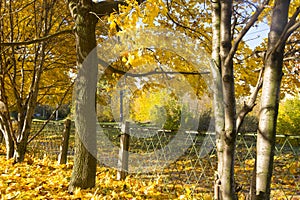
34	65
288	122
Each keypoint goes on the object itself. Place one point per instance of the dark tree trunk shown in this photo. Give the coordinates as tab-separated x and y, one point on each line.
83	12
63	155
84	170
23	131
24	100
20	151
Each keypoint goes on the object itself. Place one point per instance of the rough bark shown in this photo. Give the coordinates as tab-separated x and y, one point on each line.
85	14
227	176
84	170
270	101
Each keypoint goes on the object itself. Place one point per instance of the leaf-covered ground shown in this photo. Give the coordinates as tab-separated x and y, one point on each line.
45	179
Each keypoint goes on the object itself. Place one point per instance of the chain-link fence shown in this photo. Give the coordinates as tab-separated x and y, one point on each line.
196	166
49	140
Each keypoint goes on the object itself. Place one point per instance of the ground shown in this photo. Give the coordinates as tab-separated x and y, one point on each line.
45	179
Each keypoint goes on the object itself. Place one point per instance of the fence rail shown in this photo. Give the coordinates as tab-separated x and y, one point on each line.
195	167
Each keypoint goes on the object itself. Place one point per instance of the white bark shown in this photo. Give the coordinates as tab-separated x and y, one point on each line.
270	100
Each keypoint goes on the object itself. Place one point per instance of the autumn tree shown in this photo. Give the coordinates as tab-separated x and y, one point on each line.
231	21
288	121
291	64
219	16
33	67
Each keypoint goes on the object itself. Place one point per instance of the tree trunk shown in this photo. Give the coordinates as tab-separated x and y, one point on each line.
22	132
83	12
1	137
9	144
84	170
6	128
227	176
63	154
19	89
218	94
270	101
25	122
20	151
4	112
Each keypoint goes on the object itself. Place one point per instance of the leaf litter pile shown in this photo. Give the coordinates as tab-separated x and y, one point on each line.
45	179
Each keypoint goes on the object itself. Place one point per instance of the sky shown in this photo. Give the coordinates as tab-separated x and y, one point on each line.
256	35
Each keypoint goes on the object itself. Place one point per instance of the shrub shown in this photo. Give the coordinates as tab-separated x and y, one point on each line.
250	124
288	121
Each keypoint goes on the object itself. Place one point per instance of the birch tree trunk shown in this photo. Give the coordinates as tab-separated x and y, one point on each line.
270	100
227	176
218	94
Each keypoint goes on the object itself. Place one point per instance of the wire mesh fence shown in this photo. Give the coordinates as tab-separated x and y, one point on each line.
49	140
195	167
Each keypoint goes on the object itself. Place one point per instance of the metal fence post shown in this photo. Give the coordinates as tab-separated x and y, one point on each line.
123	153
62	157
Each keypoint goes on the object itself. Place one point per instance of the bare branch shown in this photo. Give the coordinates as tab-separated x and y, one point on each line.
52	114
251	102
186	27
293	28
109	67
243	32
37	40
291	58
252	4
17	10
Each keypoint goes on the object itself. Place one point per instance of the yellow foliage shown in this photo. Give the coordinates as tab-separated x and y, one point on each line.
54	57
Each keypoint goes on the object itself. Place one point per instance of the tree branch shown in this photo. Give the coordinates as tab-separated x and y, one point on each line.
243	32
186	27
18	9
114	70
52	114
103	8
48	37
251	102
